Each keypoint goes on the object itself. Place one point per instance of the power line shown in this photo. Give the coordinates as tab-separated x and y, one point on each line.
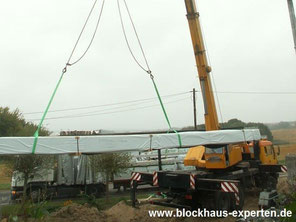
104	113
252	92
151	98
110	104
117	108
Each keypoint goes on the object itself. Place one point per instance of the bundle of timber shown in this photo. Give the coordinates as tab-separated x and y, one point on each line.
120	143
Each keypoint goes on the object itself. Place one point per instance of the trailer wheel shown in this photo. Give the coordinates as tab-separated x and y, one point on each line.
223	201
96	189
92	190
34	193
241	194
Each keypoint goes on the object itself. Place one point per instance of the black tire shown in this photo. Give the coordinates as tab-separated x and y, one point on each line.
101	188
272	181
92	190
269	181
241	195
223	201
34	193
96	189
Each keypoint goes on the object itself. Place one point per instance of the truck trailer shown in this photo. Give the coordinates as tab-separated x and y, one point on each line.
70	176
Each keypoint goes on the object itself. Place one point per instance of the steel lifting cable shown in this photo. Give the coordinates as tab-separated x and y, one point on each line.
36	134
93	36
146	62
127	42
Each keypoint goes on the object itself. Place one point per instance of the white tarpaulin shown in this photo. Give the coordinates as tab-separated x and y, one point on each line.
117	143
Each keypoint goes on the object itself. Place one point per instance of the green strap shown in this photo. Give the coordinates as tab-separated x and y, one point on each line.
36	134
164	112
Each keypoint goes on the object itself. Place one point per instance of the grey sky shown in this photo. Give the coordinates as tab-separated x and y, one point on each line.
249	43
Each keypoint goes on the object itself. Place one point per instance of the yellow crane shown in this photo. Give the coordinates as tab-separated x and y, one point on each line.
211	118
216	157
223	171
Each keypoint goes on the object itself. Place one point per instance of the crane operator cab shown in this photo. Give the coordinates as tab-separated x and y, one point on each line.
221	157
214	156
227	155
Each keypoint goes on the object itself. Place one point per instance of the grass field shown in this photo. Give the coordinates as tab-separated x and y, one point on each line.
285	135
288	137
4	178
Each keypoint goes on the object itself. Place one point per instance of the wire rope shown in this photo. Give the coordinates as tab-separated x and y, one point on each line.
92	38
36	134
146	61
136	33
127	41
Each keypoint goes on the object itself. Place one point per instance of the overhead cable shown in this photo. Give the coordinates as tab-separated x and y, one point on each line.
104	113
109	104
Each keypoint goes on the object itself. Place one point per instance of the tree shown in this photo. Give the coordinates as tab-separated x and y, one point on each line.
234	123
110	164
31	166
238	124
12	123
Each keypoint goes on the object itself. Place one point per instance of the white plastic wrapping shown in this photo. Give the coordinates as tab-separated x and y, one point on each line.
118	143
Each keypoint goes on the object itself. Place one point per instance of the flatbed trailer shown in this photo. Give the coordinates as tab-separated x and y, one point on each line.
201	188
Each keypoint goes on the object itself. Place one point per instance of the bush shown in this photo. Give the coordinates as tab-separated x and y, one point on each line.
287	199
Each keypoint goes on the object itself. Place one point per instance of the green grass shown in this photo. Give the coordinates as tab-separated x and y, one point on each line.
283	162
5	186
52	206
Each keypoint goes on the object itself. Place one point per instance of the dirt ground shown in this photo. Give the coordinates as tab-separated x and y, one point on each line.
122	212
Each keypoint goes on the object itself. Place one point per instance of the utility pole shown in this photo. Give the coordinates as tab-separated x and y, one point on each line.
194	109
293	20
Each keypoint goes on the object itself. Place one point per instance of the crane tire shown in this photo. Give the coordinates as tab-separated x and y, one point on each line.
223	201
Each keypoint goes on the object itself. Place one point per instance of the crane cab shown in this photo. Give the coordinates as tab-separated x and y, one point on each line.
221	157
214	156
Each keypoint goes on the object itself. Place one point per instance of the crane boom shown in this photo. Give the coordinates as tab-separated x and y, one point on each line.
203	68
293	20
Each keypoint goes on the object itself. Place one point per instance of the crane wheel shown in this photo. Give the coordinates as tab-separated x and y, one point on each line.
223	201
241	195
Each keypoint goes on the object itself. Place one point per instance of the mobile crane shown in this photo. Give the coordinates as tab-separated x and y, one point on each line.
229	155
223	171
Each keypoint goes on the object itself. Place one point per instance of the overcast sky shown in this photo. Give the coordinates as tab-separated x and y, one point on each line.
249	44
